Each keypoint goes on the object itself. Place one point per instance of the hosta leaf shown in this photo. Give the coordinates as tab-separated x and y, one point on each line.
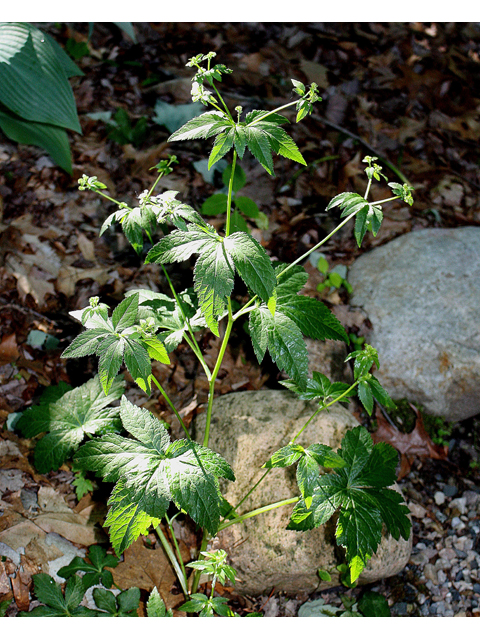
29	61
252	263
47	136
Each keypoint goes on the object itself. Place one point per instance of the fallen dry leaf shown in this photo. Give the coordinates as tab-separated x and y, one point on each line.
148	568
409	445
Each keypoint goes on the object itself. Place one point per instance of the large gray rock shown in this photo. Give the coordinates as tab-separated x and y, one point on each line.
421	293
246	429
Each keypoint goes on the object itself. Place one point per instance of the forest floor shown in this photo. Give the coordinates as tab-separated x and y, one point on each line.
403	92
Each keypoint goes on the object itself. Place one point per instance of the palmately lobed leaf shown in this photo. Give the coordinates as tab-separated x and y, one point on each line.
359	493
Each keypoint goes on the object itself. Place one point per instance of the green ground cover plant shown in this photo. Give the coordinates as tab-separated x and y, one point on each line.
154	475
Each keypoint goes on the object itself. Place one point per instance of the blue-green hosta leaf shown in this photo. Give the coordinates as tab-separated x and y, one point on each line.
47	136
252	263
30	64
82	411
213	282
359	493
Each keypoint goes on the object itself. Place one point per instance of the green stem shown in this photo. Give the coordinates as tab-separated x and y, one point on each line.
121	205
218	364
369	184
192	342
173	560
171	405
285	106
198	573
229	197
177	548
321	408
307	253
257	512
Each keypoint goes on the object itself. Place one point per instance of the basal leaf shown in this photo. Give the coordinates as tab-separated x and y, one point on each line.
78	412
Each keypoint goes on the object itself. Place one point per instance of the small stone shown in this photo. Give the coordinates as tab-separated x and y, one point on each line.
450	490
457	523
473	565
442	578
439	498
430	573
417	510
440	609
476	587
472	497
460	504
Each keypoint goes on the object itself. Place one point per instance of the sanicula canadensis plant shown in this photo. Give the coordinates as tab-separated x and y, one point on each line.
149	470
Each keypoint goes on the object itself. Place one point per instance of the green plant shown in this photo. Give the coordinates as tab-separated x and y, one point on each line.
243	207
370	605
37	102
121	130
95	571
68	417
212	563
59	604
333	278
154	475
